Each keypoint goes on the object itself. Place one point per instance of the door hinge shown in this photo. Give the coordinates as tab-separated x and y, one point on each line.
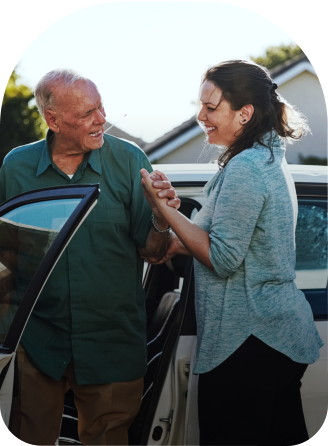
168	420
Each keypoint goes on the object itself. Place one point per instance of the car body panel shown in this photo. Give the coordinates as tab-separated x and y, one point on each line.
203	172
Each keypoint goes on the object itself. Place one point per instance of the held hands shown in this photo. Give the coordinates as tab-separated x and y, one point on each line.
160	193
156	187
172	251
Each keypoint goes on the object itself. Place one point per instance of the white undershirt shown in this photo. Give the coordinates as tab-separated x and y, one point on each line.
71	176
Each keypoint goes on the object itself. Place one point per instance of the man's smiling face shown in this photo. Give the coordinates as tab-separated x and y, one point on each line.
80	115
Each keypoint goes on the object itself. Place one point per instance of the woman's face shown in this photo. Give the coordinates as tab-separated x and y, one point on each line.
221	123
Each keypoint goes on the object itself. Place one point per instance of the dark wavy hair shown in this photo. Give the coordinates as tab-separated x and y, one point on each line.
244	82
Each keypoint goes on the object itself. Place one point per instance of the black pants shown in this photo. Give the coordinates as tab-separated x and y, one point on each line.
252	398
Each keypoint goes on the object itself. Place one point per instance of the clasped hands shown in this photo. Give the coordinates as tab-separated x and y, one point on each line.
157	187
160	193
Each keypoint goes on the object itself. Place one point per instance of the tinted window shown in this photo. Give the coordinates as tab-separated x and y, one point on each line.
26	234
311	245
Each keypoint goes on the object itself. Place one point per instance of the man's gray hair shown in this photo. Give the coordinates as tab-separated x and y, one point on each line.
43	90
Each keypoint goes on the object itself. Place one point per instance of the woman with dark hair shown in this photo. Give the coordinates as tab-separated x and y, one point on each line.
255	329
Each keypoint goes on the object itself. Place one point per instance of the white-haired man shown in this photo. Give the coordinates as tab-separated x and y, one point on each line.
87	330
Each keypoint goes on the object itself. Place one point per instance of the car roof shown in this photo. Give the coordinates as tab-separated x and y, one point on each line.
203	172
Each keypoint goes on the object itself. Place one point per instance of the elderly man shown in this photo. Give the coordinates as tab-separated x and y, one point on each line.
87	330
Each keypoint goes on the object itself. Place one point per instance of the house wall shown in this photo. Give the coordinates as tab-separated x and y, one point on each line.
305	92
190	152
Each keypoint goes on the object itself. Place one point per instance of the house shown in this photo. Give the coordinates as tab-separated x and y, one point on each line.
297	83
183	144
115	131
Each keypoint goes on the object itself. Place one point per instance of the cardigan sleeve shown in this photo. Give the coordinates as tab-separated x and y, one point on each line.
238	207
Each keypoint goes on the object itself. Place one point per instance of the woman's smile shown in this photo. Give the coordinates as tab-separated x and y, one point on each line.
216	110
210	129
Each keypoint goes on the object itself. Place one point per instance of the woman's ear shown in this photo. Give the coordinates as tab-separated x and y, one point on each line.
246	112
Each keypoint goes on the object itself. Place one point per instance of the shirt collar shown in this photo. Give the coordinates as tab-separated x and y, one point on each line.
46	159
95	161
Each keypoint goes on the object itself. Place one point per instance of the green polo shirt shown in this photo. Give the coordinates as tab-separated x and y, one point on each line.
92	309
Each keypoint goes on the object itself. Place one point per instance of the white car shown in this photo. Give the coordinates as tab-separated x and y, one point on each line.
168	414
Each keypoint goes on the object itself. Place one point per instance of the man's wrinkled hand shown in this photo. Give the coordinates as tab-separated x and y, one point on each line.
170	253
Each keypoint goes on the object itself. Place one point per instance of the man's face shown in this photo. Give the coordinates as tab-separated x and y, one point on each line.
80	116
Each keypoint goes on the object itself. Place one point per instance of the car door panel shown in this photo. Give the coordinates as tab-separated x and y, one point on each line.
35	228
167	406
158	404
191	428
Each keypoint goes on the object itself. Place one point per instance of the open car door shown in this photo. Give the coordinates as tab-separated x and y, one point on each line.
35	228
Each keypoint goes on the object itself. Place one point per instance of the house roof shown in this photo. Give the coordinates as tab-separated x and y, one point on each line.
115	131
187	130
171	135
282	68
291	68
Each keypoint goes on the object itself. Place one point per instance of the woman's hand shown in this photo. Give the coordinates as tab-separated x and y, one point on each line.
161	188
160	181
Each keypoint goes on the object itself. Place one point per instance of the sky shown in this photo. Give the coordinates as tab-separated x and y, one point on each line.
147	58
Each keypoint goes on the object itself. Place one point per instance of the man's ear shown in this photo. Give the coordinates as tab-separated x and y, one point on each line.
51	119
246	112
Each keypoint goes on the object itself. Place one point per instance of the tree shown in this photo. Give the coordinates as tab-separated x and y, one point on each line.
276	55
312	160
21	123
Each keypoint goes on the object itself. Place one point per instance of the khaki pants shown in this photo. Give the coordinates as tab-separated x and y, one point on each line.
105	411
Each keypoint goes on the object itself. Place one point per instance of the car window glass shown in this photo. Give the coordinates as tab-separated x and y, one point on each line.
26	234
311	245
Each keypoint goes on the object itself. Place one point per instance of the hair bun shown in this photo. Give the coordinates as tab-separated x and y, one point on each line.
274	87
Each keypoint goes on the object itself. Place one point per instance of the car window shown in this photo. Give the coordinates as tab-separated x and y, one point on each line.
311	245
26	234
